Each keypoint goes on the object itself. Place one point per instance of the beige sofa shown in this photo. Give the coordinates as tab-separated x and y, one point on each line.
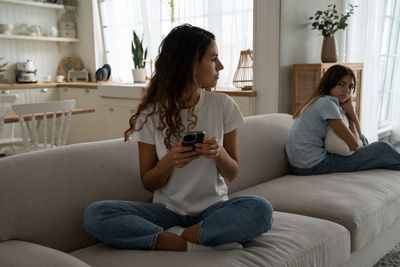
342	219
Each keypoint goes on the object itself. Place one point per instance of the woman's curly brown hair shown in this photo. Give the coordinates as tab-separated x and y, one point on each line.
179	56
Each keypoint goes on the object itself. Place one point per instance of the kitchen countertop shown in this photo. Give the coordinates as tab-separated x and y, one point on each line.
44	85
94	85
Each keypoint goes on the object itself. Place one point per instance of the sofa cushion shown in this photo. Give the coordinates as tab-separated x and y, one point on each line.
43	194
365	202
262	149
294	240
21	253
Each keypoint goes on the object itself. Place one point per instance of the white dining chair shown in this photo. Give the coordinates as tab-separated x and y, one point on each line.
59	125
3	113
7	138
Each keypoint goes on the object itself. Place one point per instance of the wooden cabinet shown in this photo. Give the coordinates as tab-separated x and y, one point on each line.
83	127
305	79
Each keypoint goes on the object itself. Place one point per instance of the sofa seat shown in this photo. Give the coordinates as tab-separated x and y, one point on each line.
294	240
22	253
364	202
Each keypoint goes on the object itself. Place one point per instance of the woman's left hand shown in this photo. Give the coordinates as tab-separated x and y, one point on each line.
210	148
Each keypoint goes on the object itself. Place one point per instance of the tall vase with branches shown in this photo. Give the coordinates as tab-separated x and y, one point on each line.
328	22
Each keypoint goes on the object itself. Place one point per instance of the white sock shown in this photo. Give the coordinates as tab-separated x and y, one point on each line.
178	230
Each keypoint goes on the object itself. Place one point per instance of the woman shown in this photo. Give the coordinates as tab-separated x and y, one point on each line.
305	146
190	209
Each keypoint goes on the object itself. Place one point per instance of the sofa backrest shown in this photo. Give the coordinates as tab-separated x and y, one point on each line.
43	194
262	149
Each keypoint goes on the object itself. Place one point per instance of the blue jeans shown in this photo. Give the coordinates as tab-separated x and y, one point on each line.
378	155
136	225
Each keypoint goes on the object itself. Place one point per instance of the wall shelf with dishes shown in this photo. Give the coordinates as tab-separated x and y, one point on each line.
65	32
35	4
40	38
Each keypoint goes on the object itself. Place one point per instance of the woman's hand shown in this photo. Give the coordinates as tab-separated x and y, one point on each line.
210	148
179	156
348	106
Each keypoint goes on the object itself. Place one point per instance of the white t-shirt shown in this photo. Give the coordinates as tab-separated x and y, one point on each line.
192	189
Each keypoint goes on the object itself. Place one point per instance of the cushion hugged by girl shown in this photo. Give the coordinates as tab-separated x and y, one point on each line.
326	135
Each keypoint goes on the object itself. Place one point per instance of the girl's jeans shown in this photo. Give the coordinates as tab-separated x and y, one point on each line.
378	155
136	225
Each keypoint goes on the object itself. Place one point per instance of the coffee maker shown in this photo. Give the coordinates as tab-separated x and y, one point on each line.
26	72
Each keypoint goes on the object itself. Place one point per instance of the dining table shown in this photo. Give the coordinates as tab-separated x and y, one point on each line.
12	117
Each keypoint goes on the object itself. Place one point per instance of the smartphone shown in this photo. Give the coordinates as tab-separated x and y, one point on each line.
193	137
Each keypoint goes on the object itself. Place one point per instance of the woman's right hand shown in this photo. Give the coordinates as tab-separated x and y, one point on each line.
179	156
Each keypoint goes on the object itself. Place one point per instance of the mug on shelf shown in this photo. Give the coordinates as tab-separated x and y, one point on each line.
59	78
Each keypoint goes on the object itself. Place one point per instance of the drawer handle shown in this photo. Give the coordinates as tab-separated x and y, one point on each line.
5	91
65	89
131	111
44	90
87	90
111	109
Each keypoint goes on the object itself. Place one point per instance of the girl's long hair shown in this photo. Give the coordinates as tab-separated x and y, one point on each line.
329	80
178	58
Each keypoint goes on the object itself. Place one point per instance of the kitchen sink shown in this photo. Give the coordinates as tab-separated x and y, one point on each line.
122	90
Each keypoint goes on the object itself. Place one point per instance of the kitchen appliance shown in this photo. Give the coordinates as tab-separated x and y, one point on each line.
26	72
81	75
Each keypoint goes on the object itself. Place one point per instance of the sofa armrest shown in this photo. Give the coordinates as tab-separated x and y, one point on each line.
22	253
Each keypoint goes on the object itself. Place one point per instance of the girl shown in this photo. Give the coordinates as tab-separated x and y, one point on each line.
190	195
305	146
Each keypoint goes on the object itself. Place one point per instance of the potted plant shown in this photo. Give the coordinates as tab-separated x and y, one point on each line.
328	22
2	70
138	55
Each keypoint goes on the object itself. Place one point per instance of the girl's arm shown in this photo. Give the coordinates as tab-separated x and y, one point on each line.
227	156
354	123
154	174
344	133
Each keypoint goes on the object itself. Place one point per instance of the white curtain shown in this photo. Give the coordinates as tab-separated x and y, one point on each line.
364	45
231	21
395	137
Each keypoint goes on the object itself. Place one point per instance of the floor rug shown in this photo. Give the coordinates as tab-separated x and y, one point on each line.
392	259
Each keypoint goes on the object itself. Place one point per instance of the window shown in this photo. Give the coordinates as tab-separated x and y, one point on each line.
389	62
231	21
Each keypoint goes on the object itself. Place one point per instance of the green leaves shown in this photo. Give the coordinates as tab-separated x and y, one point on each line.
328	21
138	55
2	65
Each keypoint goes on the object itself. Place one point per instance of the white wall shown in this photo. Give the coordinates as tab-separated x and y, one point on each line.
266	55
85	49
298	43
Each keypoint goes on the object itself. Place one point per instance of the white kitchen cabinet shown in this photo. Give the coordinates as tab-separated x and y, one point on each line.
23	98
83	127
39	95
115	114
23	94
